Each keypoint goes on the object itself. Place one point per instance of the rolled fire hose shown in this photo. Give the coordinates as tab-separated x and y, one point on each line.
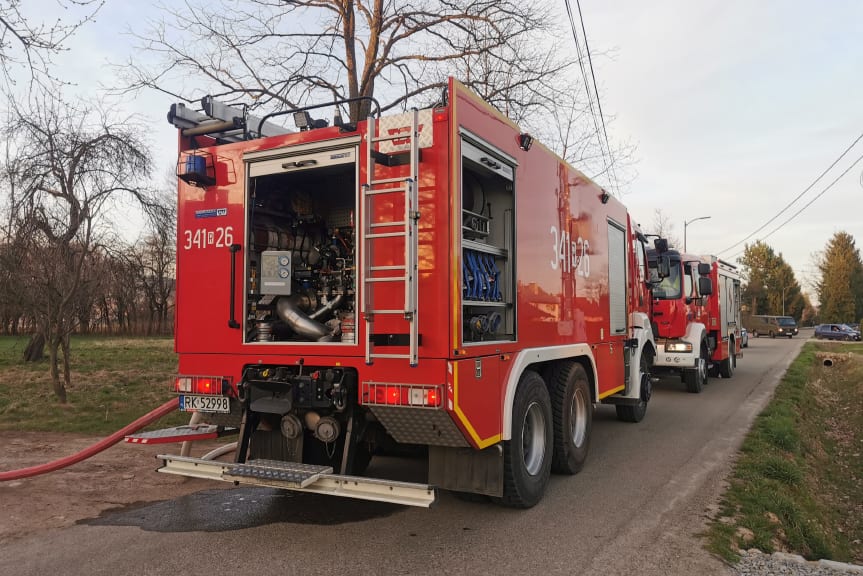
103	444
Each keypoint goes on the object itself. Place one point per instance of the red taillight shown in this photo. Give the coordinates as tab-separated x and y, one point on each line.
427	396
202	385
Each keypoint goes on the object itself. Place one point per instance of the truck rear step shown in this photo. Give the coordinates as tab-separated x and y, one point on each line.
301	478
180	434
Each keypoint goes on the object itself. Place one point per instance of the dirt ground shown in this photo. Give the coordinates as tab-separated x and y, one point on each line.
121	475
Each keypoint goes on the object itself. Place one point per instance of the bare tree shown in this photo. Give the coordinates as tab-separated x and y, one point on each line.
664	227
281	53
30	43
72	164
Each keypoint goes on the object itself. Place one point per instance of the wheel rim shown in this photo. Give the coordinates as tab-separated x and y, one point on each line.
578	418
702	365
533	439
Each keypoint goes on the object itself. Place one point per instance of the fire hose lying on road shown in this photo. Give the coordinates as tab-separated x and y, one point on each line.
106	443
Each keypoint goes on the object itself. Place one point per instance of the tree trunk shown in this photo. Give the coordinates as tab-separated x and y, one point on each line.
59	388
66	346
35	349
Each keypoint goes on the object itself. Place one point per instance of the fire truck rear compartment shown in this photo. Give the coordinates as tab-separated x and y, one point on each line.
306	414
301	253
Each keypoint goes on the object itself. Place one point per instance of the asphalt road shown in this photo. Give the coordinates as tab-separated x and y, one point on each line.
636	508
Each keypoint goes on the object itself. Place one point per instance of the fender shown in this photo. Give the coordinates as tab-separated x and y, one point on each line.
532	356
644	334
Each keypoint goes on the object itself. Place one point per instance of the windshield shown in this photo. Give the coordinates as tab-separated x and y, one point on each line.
846	327
669	288
786	321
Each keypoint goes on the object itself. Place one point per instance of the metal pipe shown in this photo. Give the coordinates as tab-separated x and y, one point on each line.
210	127
288	309
329	307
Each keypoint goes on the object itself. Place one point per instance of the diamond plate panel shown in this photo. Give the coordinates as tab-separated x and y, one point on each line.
290	473
401	124
419	426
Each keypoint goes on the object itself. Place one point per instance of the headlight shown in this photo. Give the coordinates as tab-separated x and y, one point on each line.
678	347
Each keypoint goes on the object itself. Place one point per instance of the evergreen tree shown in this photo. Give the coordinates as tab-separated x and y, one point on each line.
840	288
771	287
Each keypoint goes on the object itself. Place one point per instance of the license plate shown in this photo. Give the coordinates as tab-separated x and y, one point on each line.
204	403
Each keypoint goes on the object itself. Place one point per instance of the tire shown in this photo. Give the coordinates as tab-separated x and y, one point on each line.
527	455
696	378
772	335
727	366
572	416
636	412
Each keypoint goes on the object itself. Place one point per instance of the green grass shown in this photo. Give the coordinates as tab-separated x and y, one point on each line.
114	381
798	482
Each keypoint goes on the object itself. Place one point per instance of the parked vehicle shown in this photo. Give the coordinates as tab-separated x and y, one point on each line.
836	332
425	279
744	338
773	326
696	315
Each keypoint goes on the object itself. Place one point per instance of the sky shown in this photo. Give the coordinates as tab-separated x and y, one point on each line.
735	107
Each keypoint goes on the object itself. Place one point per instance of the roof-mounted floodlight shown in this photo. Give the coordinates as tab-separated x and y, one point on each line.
302	120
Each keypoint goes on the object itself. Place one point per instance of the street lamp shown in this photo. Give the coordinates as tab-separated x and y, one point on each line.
687	223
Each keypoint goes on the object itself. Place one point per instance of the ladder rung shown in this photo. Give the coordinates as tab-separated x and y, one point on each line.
376	268
406	356
384	191
385	235
388	181
385	224
387	279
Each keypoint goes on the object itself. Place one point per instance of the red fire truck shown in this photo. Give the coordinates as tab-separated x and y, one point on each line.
696	314
433	278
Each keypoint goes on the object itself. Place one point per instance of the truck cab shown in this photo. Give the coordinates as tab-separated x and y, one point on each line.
696	317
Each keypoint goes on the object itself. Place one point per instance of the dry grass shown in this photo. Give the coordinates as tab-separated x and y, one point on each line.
114	381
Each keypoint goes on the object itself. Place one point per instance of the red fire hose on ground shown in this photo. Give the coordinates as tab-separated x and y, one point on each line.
103	444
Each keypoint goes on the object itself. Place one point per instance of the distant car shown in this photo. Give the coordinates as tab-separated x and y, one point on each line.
744	338
836	332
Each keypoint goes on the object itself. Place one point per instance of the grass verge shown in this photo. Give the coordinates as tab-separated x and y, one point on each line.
114	381
798	481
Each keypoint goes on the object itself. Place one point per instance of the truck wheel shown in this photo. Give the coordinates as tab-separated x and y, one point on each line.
635	413
572	415
772	335
696	378
527	455
727	366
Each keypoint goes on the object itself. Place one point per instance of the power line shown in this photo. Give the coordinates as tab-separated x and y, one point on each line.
587	90
787	206
808	204
596	91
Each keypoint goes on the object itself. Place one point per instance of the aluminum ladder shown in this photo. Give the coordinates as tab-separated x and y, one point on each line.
406	229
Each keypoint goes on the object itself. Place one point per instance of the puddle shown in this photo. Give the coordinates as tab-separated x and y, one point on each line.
239	508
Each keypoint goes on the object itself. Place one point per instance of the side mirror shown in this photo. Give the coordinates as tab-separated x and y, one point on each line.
703	268
660	268
660	245
705	285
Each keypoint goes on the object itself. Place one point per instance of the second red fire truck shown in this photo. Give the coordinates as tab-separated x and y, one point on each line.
432	279
696	314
